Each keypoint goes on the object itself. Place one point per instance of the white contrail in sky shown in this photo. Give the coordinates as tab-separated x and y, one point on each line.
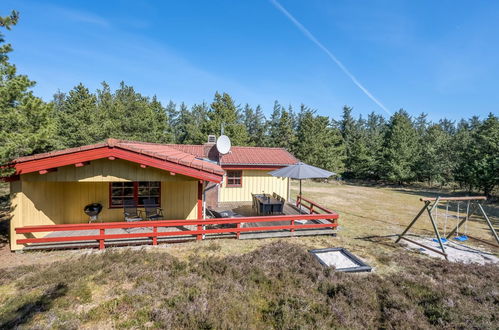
312	38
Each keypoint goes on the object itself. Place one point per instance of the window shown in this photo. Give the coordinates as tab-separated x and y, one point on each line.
234	178
137	191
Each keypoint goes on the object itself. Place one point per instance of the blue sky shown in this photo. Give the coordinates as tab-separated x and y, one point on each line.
439	57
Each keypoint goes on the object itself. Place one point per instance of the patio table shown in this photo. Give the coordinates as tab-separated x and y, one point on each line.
268	204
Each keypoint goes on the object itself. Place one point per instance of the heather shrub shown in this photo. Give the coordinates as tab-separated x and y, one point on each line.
278	286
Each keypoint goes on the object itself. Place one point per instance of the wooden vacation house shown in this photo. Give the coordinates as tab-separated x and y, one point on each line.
49	191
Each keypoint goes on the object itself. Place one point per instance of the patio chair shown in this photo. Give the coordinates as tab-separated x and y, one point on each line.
255	202
130	211
277	208
152	211
223	215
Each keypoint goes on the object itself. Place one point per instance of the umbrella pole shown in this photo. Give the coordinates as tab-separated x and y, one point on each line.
300	193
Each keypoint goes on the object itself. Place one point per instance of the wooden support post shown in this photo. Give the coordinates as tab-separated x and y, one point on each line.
292	224
155	237
200	209
424	246
436	230
488	222
101	240
238	233
483	241
426	203
335	224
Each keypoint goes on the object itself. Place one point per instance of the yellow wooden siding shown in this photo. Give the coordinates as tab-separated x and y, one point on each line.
105	170
16	205
39	202
256	182
179	199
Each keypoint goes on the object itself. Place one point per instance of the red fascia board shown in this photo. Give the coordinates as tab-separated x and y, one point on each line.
61	160
167	166
105	152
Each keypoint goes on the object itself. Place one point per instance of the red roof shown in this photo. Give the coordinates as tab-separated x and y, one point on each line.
191	160
155	155
262	156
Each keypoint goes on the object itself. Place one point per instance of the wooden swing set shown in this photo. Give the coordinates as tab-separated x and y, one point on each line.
473	203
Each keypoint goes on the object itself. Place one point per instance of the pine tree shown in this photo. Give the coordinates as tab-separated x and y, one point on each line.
357	161
273	125
199	114
28	124
77	118
375	130
106	114
318	143
259	129
479	166
400	148
286	137
254	121
347	125
172	113
249	122
223	114
160	129
461	145
433	162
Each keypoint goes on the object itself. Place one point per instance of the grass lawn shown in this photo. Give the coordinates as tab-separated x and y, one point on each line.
268	283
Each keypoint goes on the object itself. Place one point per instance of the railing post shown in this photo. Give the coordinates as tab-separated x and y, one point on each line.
155	236
200	210
101	240
311	209
292	224
238	233
333	224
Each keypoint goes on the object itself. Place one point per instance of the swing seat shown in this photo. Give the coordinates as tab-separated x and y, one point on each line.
461	238
443	240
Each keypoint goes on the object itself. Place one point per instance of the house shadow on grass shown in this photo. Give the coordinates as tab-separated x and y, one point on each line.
28	310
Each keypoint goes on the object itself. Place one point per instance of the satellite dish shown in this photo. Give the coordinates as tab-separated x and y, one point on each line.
223	144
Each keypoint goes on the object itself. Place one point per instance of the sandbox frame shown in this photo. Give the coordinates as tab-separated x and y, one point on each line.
362	266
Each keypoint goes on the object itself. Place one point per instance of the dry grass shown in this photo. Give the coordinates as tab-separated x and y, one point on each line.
370	215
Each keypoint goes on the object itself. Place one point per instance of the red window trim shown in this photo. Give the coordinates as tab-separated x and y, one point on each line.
240	179
135	194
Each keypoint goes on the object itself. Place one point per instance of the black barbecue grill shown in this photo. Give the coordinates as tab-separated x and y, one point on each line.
92	210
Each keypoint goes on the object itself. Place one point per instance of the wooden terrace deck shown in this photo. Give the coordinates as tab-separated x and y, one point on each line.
155	232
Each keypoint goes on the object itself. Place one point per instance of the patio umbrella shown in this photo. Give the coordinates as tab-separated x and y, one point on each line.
301	171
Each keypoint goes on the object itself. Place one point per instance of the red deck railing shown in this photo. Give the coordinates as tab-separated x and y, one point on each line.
311	206
330	217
